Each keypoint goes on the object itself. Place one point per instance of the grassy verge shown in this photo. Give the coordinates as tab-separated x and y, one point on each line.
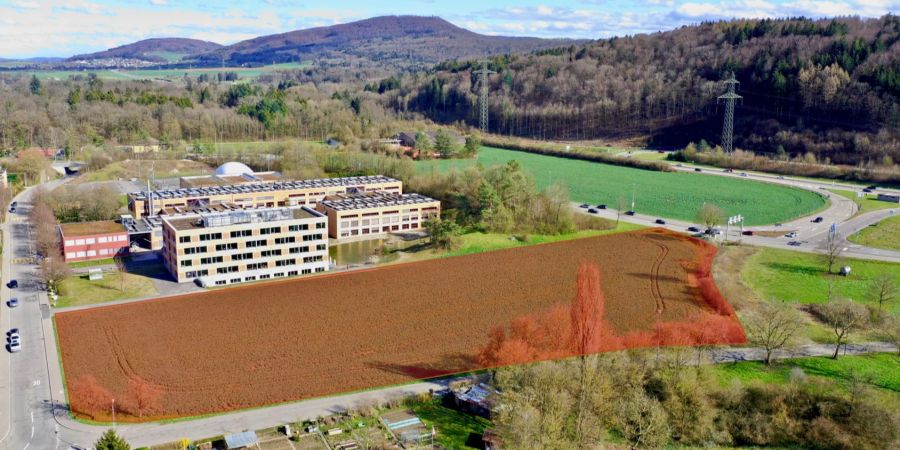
884	234
79	290
783	275
867	203
94	263
455	429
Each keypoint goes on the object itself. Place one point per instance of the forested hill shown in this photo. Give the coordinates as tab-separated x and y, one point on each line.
829	87
389	42
154	50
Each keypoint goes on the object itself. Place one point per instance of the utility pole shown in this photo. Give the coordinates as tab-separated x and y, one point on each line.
483	98
728	127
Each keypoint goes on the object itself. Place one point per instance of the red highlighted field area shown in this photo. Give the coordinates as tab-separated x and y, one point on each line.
277	342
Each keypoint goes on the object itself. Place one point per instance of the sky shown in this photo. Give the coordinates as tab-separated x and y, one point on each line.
30	28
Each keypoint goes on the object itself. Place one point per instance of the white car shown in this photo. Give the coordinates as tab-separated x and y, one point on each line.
15	346
14	336
791	235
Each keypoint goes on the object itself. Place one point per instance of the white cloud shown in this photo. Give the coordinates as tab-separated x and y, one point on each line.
159	2
26	4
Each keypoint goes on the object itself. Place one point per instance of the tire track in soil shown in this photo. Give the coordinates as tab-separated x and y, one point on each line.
654	277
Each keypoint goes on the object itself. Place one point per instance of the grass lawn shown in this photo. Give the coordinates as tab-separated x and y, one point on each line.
884	234
881	370
93	263
78	290
455	430
664	194
799	277
866	204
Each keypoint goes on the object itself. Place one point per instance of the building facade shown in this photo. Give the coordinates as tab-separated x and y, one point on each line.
376	213
85	241
257	195
227	247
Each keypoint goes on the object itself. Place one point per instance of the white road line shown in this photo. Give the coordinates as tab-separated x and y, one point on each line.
32	432
32	416
26	446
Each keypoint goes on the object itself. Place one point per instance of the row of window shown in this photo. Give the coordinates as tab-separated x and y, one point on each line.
99	240
375	230
290	273
92	253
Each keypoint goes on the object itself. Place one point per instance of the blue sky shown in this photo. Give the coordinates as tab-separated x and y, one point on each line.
66	27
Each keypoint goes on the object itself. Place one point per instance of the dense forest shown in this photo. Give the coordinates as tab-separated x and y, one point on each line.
827	87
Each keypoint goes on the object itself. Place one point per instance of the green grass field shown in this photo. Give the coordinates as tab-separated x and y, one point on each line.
78	290
455	430
664	194
783	275
884	234
881	370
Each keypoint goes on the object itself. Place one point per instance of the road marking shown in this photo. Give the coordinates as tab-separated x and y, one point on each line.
26	446
32	431
36	383
32	416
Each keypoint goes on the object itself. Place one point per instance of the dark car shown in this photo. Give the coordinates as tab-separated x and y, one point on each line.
12	284
697	169
728	171
867	190
629	213
693	229
584	205
818	219
748	233
601	206
872	187
660	222
592	211
794	243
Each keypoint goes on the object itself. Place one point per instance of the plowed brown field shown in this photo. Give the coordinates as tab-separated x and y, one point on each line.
282	341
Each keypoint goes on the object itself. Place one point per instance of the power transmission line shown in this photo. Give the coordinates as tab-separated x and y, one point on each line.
483	100
728	126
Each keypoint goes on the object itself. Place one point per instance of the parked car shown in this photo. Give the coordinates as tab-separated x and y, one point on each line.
12	284
592	211
601	206
818	219
13	302
629	213
12	331
14	204
794	243
660	222
693	229
584	205
14	346
791	235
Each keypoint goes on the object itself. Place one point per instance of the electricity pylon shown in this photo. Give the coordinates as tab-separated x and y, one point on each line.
483	98
728	127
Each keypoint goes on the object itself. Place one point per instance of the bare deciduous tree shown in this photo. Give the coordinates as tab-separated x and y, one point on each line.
831	250
773	327
710	215
882	289
54	269
843	317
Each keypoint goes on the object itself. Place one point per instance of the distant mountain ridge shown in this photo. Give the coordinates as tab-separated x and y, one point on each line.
162	50
387	40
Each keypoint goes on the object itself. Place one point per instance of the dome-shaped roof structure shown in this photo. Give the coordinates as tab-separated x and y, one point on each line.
233	168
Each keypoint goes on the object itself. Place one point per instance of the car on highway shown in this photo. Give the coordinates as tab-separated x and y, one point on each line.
728	171
13	302
713	231
693	229
629	213
14	346
818	219
872	187
791	235
12	284
601	206
780	177
867	190
747	232
584	205
593	211
794	243
697	169
660	222
743	174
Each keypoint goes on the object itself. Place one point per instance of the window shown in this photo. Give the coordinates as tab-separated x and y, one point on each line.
310	259
312	237
241	233
90	241
211	260
92	253
80	254
267	253
264	276
320	269
278	275
285	240
242	256
195	250
186	263
103	240
79	241
229	269
220	282
183	239
228	246
235	280
285	262
320	225
122	238
70	242
321	247
292	273
270	230
256	266
210	236
301	227
250	278
70	255
303	249
258	243
306	271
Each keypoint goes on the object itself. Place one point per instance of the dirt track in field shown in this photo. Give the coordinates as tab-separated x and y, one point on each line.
282	341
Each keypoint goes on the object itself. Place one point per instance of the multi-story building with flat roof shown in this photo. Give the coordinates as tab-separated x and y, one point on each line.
374	213
234	246
255	195
84	241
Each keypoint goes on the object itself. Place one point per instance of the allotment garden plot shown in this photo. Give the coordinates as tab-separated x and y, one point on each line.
282	341
675	195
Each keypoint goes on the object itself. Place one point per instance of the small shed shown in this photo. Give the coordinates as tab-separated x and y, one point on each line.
477	399
241	440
